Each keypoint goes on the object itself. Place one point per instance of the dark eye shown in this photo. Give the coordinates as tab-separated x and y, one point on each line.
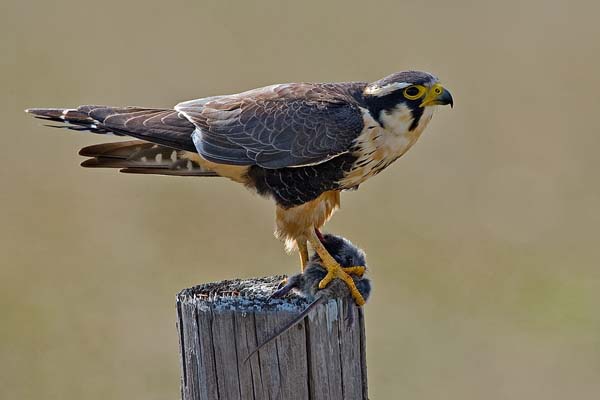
413	92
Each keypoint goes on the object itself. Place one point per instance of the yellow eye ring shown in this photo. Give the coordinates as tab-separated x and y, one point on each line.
414	92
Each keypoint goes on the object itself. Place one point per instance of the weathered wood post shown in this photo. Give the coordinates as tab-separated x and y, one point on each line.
221	323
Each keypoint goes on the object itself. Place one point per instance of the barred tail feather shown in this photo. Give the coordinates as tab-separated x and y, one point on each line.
166	127
76	120
139	157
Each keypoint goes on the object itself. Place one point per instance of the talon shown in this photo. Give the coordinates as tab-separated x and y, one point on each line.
327	280
357	270
334	270
282	289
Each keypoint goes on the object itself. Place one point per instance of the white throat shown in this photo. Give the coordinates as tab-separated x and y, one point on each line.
399	120
378	147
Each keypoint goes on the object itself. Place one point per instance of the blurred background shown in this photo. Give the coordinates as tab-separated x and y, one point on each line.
483	241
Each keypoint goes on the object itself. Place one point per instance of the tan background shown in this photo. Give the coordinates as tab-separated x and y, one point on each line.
483	239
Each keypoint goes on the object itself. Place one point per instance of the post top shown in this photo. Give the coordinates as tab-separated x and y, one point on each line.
250	294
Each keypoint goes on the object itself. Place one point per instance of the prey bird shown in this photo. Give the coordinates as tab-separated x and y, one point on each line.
300	144
307	283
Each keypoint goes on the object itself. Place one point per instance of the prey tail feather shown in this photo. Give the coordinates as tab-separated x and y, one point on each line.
166	127
140	157
288	326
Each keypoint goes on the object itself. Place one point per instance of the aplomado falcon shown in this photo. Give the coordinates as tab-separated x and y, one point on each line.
300	144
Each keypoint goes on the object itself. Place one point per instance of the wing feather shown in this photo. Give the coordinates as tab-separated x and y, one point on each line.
278	126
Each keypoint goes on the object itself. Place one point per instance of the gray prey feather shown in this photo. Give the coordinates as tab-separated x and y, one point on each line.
307	283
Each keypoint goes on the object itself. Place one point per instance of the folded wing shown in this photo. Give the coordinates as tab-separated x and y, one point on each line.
278	126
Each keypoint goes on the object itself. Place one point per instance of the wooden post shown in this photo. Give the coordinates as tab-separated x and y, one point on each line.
221	323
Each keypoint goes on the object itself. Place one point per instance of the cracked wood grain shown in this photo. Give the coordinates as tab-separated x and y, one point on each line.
220	323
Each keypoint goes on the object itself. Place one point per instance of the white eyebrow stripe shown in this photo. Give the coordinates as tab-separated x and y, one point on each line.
387	89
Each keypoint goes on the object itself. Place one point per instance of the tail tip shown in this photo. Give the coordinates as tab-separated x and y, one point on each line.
36	111
49	113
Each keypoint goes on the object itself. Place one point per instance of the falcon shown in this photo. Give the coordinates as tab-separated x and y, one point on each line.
300	144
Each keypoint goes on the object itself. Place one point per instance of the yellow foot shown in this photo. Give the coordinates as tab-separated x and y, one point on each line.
335	271
303	250
358	271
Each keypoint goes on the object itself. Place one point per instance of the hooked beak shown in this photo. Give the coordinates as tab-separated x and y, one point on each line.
437	95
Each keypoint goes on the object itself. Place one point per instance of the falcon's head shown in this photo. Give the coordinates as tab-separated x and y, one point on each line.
404	101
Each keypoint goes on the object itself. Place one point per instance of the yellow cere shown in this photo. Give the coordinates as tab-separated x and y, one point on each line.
434	92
